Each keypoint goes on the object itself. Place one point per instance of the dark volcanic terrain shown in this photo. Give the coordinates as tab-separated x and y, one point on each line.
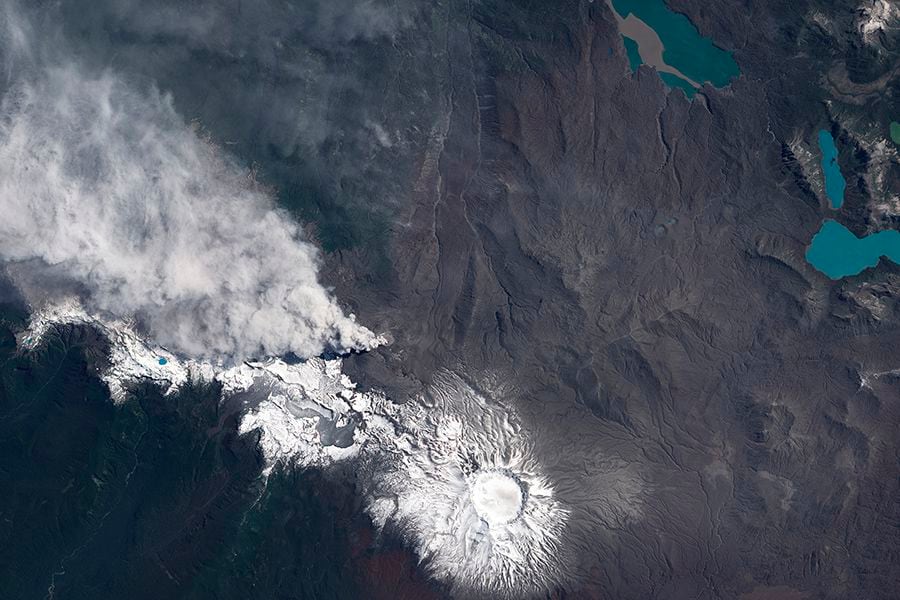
500	194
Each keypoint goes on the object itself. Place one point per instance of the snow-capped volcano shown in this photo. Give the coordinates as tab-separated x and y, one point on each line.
468	493
453	471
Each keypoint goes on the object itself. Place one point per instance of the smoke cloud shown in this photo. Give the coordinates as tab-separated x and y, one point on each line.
107	191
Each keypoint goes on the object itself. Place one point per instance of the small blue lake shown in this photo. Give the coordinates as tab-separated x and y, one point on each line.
837	253
162	361
834	179
683	48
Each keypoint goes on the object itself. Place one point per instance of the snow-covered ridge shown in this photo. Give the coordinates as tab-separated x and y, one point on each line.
299	395
131	358
456	471
876	16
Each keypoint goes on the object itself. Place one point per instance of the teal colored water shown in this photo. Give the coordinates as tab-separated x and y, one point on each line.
634	61
685	49
162	360
834	180
674	81
838	253
631	49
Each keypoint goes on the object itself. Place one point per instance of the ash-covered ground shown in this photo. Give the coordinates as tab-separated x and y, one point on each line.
597	284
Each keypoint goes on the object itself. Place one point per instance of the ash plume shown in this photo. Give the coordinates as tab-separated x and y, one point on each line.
106	192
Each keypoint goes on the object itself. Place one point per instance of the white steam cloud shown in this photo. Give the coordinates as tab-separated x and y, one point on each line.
107	191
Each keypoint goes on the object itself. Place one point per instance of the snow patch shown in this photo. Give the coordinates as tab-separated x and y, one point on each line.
876	16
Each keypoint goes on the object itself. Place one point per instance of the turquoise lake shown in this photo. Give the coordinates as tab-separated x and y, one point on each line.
674	81
837	253
631	49
684	48
835	185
